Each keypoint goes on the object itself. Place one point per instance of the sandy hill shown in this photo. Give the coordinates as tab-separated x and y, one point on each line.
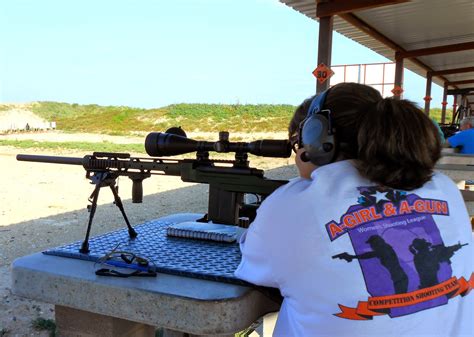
17	116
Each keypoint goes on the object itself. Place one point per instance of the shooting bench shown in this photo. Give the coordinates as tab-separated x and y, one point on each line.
460	168
91	305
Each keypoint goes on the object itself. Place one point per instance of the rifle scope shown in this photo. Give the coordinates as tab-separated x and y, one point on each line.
159	144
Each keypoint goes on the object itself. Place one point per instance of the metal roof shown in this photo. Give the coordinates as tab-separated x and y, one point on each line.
411	26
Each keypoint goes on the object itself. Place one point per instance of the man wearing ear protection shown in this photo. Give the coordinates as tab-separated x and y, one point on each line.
366	171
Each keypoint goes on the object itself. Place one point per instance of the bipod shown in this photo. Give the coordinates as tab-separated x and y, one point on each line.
103	179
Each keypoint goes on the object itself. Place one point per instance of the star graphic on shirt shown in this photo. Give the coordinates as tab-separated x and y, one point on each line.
379	196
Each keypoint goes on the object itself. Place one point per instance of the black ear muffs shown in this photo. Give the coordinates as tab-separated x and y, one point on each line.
316	133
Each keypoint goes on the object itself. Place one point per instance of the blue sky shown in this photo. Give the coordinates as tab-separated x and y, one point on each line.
151	53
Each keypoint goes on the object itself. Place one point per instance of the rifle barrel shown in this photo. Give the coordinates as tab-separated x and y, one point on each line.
50	159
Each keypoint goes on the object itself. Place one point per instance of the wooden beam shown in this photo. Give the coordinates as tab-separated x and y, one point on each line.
437	50
444	103
453	116
398	76
324	48
369	30
372	32
463	91
336	7
429	80
461	82
453	71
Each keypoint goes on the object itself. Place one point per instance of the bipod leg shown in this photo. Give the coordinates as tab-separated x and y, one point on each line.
131	232
95	195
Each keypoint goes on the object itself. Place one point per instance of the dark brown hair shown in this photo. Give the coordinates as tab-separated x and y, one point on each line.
393	142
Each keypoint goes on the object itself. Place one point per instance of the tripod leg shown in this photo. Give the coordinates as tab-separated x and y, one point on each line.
131	232
85	244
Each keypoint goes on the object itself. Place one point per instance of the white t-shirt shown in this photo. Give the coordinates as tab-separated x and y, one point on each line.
352	259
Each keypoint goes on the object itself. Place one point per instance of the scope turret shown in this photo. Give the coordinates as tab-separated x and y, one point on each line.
159	144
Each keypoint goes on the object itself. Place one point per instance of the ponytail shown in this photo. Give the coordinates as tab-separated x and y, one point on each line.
398	144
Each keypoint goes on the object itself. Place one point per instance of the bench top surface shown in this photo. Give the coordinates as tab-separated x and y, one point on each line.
180	303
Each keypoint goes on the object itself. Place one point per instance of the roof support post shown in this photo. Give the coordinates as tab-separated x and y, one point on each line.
398	76
444	103
429	79
324	48
454	107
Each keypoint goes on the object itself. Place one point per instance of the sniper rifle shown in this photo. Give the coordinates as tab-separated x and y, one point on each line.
229	180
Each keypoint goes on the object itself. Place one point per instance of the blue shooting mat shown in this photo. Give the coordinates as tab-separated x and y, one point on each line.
179	256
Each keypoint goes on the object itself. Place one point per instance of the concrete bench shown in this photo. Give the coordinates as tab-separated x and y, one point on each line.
460	168
91	305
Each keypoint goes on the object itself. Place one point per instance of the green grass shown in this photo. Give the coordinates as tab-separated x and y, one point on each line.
41	324
93	118
436	114
237	117
80	146
120	120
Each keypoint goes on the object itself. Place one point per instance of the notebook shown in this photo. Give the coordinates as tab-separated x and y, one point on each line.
205	231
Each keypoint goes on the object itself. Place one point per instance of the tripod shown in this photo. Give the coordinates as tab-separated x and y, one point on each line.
103	179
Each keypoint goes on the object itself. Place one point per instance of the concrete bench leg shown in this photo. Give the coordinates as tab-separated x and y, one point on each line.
77	323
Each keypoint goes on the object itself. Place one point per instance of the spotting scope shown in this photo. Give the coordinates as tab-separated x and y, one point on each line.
175	142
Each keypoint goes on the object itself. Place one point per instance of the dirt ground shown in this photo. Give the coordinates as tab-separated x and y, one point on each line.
44	206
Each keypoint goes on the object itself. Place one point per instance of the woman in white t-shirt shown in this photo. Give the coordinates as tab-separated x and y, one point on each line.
369	240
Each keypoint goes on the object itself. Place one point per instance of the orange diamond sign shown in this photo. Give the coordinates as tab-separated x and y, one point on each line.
322	73
397	90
